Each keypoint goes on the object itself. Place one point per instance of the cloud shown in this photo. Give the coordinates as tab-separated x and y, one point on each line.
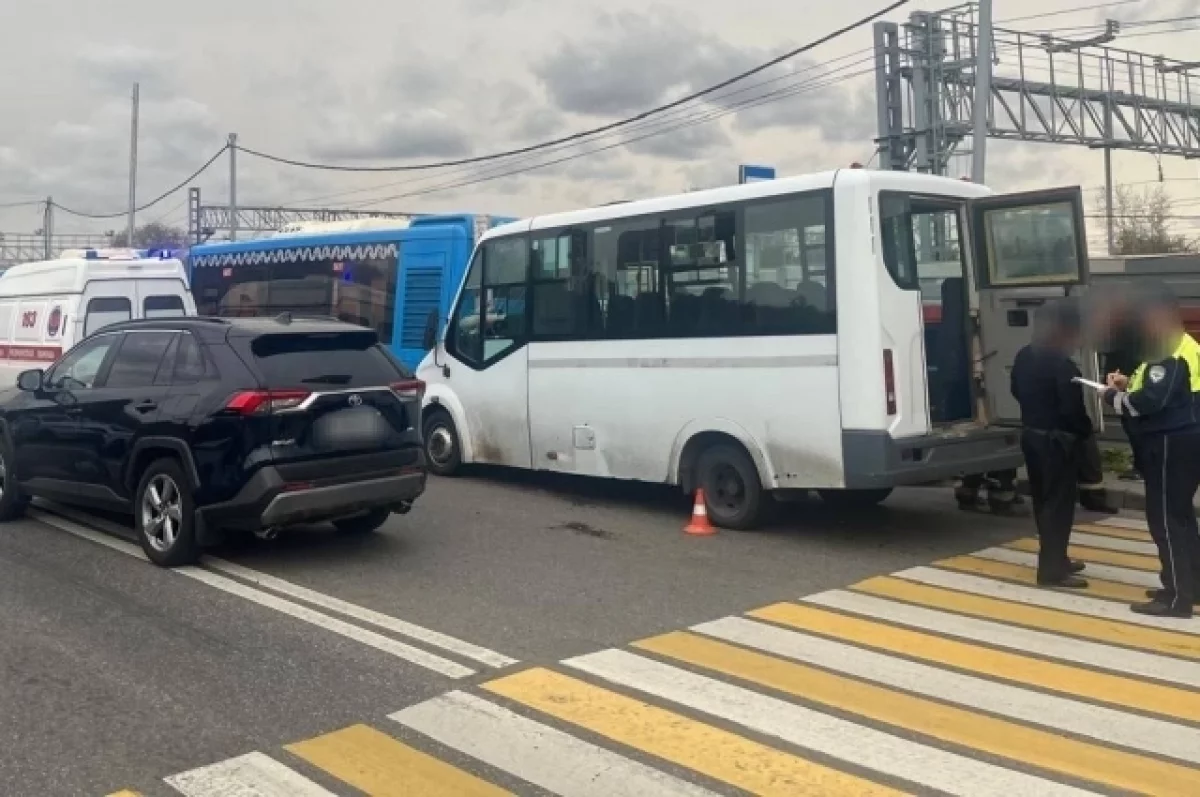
396	135
115	68
630	61
683	143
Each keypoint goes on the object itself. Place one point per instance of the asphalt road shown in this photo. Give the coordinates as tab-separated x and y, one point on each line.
114	673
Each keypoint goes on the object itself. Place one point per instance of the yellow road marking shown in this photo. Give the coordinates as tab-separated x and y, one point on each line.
1014	667
1110	631
1115	531
714	752
381	766
1045	749
1101	556
125	793
1096	588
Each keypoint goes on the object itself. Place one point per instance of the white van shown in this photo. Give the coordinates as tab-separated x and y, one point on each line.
48	307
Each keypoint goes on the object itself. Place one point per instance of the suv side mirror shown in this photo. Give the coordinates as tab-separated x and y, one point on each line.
431	325
30	381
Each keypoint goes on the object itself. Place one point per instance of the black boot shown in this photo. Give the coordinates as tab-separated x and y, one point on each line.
1159	609
1162	596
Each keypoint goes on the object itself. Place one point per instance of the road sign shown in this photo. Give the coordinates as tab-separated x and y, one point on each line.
753	174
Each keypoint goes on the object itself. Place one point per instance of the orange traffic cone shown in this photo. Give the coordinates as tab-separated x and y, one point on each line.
699	526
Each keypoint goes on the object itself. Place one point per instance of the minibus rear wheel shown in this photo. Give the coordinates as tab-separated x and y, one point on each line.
733	493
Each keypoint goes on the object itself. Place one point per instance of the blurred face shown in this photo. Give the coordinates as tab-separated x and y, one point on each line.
1161	325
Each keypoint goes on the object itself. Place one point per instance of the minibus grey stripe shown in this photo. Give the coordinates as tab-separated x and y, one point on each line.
803	361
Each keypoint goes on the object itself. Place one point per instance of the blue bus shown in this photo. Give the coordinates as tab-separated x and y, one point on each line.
388	279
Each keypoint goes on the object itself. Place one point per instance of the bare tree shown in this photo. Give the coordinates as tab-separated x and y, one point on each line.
1142	223
152	236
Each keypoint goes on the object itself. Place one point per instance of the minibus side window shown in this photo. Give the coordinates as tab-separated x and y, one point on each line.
162	307
899	251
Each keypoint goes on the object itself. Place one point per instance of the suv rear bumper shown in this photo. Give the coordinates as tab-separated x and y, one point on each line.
267	500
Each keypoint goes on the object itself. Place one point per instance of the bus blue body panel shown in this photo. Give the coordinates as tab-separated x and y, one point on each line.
428	259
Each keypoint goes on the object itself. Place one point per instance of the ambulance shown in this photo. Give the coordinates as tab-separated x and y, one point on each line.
48	307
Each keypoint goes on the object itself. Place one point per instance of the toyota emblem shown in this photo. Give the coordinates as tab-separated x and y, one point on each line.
355	400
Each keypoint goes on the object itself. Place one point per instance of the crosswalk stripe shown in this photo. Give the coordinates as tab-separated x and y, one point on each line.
1113	531
1125	523
1100	723
1018	667
125	793
250	775
393	624
1035	617
717	753
1121	575
1025	574
381	766
1049	599
1149	564
1046	750
1145	548
537	753
848	741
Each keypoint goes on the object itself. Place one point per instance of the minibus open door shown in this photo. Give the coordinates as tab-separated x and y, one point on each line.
1028	248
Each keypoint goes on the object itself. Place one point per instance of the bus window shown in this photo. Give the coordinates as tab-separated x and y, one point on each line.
624	263
788	285
104	311
489	321
359	292
700	275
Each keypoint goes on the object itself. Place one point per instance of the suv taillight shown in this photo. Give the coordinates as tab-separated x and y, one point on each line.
409	389
258	402
889	382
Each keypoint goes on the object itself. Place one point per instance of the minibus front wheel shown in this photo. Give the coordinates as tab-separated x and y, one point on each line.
733	493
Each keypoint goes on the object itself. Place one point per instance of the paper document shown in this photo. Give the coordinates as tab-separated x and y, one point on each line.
1090	383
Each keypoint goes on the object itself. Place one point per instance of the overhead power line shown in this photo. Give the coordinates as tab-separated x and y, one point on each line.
1074	10
178	187
595	130
699	118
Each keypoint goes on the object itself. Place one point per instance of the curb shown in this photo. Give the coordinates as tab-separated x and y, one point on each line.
1118	497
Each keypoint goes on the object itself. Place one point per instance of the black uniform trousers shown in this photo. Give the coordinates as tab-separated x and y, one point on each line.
1171	465
1052	460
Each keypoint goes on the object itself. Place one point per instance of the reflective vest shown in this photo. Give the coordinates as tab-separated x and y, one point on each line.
1188	351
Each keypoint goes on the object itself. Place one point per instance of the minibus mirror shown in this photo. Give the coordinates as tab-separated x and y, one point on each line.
30	381
431	325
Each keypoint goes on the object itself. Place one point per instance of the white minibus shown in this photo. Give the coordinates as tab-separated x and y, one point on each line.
755	339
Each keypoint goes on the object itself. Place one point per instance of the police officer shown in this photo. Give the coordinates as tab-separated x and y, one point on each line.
1056	427
1160	404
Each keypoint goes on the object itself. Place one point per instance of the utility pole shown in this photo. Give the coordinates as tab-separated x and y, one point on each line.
1108	201
48	229
983	89
133	145
233	225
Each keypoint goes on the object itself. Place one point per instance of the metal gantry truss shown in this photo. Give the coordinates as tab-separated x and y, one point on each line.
31	247
204	221
1044	89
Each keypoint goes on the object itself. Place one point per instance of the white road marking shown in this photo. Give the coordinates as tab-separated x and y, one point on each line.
396	625
371	639
1020	640
537	753
841	739
250	775
1124	523
1109	725
1121	575
1045	598
1113	543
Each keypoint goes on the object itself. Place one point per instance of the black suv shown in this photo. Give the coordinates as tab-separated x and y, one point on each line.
199	425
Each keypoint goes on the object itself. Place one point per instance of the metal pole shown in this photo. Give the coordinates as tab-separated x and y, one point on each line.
1108	200
133	144
983	90
233	222
48	229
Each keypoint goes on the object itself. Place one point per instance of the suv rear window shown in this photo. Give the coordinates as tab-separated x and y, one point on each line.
314	360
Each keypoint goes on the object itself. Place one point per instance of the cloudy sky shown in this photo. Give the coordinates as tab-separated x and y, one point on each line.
397	81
